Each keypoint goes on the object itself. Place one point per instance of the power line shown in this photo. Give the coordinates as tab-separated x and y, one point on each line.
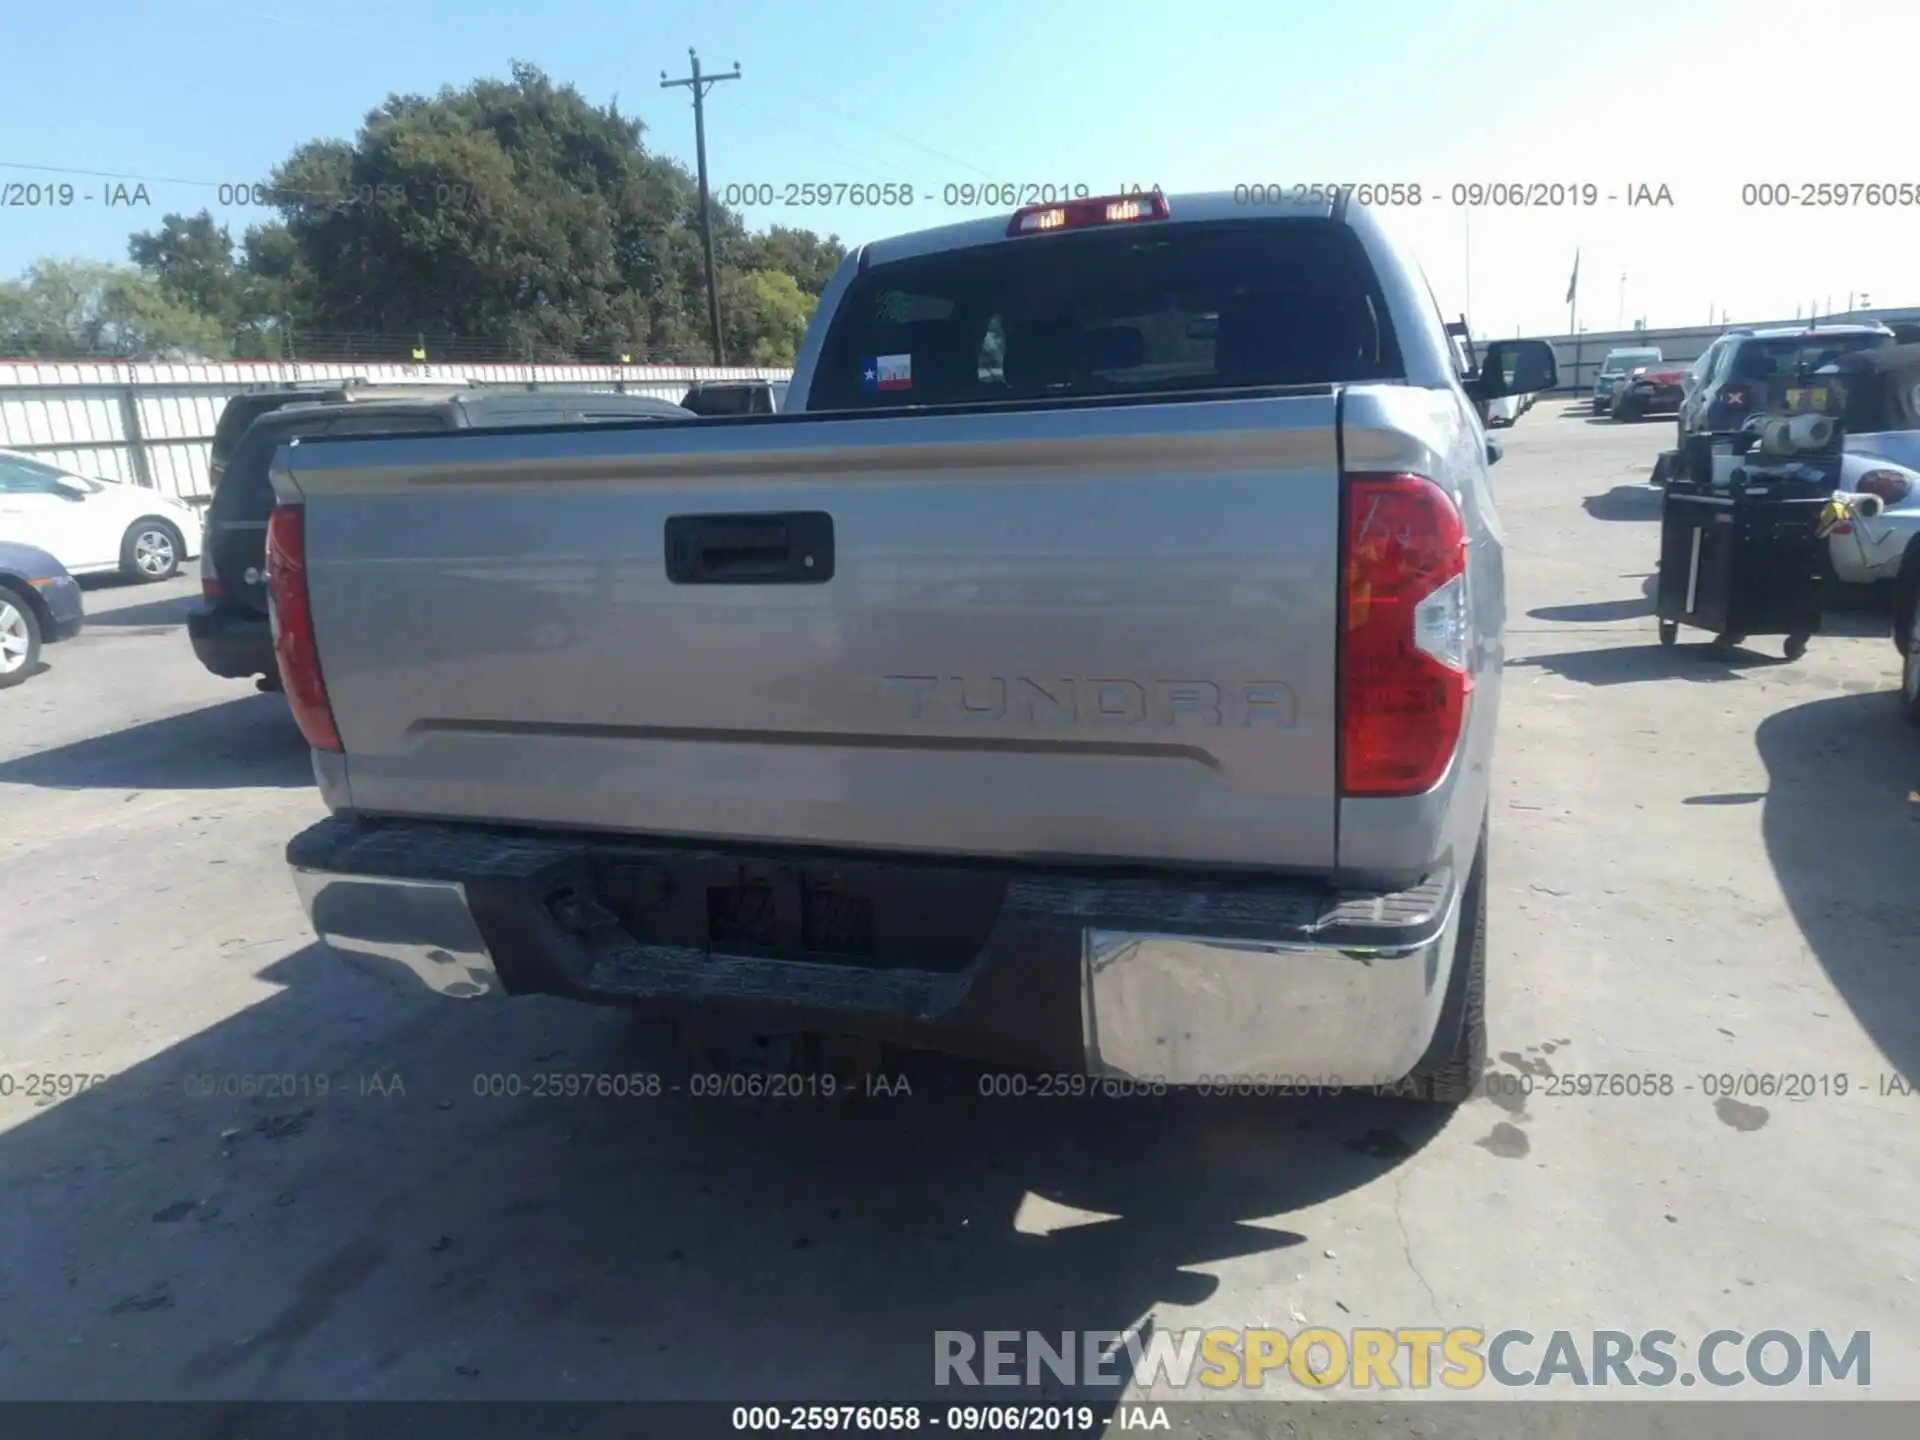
868	126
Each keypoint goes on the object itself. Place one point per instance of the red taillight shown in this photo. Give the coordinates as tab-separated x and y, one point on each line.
1404	680
1080	214
1734	397
1890	485
293	642
211	588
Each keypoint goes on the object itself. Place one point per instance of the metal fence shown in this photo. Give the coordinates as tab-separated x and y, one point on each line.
152	423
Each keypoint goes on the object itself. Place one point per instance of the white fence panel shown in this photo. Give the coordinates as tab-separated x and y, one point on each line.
153	423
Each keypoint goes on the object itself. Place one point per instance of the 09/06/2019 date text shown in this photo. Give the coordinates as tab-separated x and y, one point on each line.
1014	195
1461	194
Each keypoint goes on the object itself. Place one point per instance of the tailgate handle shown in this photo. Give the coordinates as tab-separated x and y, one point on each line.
791	548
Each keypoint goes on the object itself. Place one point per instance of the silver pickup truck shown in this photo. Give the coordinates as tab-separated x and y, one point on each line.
1094	670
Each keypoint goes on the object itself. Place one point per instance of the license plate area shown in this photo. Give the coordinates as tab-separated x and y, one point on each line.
858	913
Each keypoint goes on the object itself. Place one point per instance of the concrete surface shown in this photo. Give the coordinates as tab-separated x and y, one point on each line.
1698	868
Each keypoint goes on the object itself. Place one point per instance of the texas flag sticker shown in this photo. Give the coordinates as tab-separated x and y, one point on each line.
887	372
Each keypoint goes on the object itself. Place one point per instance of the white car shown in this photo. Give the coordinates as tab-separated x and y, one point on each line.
1869	548
95	527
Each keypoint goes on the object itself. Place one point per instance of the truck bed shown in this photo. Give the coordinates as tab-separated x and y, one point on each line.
1077	633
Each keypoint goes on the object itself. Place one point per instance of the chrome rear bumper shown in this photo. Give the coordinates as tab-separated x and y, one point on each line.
413	931
1180	983
1192	1011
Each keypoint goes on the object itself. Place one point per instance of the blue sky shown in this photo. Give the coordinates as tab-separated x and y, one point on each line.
1699	97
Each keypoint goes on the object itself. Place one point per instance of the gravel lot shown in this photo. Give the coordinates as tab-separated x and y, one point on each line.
1698	868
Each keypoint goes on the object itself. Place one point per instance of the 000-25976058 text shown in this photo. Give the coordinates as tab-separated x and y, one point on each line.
1715	1085
1830	194
1464	194
908	1419
438	194
891	194
47	1084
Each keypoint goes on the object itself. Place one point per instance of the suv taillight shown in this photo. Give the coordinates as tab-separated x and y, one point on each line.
1890	485
291	612
211	590
1403	672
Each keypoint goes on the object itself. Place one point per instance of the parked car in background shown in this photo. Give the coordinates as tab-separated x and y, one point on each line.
229	627
1746	367
1650	390
1614	369
95	527
1876	534
40	604
736	397
248	406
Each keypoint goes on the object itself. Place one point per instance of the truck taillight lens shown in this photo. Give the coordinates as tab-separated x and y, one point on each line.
292	615
1403	660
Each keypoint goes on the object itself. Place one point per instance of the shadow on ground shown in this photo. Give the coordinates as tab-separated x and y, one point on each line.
1598	613
1842	833
251	741
1625	502
1630	664
350	1235
170	611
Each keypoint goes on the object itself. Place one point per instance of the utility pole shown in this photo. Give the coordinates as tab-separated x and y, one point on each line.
1466	228
700	84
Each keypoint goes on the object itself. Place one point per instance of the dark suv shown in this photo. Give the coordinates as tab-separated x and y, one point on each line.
248	406
1741	372
230	629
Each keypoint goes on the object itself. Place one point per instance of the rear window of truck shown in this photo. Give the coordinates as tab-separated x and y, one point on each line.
1151	308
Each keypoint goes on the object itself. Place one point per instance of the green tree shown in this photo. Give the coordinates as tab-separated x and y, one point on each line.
764	317
192	259
63	309
802	254
509	212
512	211
517	212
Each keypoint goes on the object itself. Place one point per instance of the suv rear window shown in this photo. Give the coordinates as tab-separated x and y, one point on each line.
246	490
1147	309
242	410
1632	359
1786	356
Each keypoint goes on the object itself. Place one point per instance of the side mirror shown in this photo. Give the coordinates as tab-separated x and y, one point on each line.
1494	451
1516	367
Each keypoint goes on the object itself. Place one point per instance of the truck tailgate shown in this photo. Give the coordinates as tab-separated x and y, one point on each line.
1091	634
